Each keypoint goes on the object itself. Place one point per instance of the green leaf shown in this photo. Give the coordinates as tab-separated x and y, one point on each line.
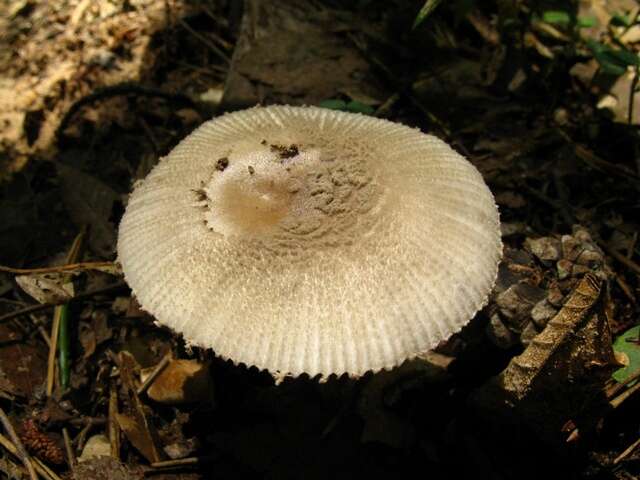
557	17
627	346
625	56
587	22
426	10
612	62
333	104
359	107
620	20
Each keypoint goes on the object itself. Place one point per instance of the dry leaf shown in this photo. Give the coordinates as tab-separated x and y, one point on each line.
54	288
182	381
561	374
138	430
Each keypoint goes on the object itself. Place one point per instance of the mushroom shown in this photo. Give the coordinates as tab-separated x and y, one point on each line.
329	243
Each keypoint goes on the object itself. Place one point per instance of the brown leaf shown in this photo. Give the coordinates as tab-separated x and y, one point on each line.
52	288
135	425
182	381
561	374
138	434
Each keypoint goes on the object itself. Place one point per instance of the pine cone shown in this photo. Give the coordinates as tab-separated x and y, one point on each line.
39	444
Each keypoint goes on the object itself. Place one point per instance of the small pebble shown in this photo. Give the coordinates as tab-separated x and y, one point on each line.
181	449
571	248
96	446
591	259
547	249
555	296
542	312
565	268
499	334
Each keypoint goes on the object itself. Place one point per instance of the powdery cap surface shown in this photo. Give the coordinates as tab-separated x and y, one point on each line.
305	240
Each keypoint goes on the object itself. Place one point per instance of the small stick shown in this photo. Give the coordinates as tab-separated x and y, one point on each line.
44	306
83	421
43	333
58	268
182	462
82	436
619	386
223	56
53	348
155	374
20	451
627	451
621	258
615	402
625	288
44	470
71	458
114	426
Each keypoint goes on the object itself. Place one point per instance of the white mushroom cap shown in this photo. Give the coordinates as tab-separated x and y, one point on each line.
305	240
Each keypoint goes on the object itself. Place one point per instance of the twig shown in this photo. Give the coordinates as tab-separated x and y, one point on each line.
20	451
44	470
384	109
221	41
621	258
223	56
58	268
81	438
155	374
617	401
625	288
594	161
114	427
619	386
83	421
71	457
44	335
53	348
209	70
182	462
44	306
627	451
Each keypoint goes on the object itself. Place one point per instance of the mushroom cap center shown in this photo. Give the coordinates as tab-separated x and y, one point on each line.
293	192
252	207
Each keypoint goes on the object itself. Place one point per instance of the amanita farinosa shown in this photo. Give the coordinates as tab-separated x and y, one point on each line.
305	240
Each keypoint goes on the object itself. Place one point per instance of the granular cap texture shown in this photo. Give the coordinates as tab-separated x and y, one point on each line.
305	240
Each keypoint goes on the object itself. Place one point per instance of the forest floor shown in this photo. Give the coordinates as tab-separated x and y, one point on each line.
540	98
